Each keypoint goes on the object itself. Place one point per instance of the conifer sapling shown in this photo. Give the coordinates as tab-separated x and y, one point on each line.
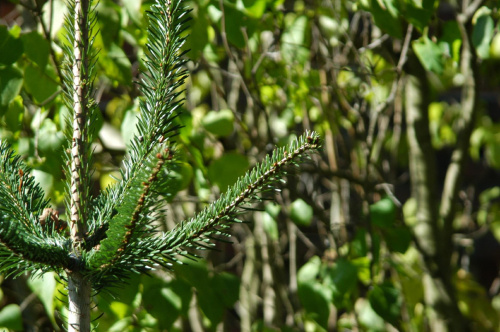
114	234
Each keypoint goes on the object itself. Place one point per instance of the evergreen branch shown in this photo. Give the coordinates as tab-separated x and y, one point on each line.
108	265
20	196
131	219
200	231
144	253
35	253
161	83
25	241
161	86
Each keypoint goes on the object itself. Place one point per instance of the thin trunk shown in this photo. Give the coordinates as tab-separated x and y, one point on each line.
249	287
79	288
464	127
439	292
79	291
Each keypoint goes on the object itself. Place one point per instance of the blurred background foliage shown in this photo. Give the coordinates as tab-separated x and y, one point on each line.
340	250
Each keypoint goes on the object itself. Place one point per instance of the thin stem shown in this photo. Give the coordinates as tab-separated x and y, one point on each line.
80	81
79	291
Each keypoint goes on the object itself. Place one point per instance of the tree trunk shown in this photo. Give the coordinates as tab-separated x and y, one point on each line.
79	291
429	236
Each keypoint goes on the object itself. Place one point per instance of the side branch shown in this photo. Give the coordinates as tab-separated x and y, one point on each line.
198	231
141	206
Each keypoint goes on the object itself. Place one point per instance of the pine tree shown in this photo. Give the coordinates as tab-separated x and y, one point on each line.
113	234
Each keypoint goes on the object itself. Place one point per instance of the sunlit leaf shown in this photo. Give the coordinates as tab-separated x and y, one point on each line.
11	81
301	213
10	317
36	48
430	54
483	32
41	83
383	212
220	123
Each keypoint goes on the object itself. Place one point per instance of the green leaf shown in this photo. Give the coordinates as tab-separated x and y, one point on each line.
368	318
108	23
310	270
342	278
383	213
11	47
129	125
116	65
270	225
482	33
195	273
11	318
198	37
40	82
453	39
301	213
163	304
315	299
358	246
495	47
398	239
236	21
430	54
11	81
180	175
410	212
386	301
14	115
133	8
227	169
219	123
386	17
51	147
227	288
273	209
37	48
53	139
46	180
223	286
255	8
418	13
314	296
